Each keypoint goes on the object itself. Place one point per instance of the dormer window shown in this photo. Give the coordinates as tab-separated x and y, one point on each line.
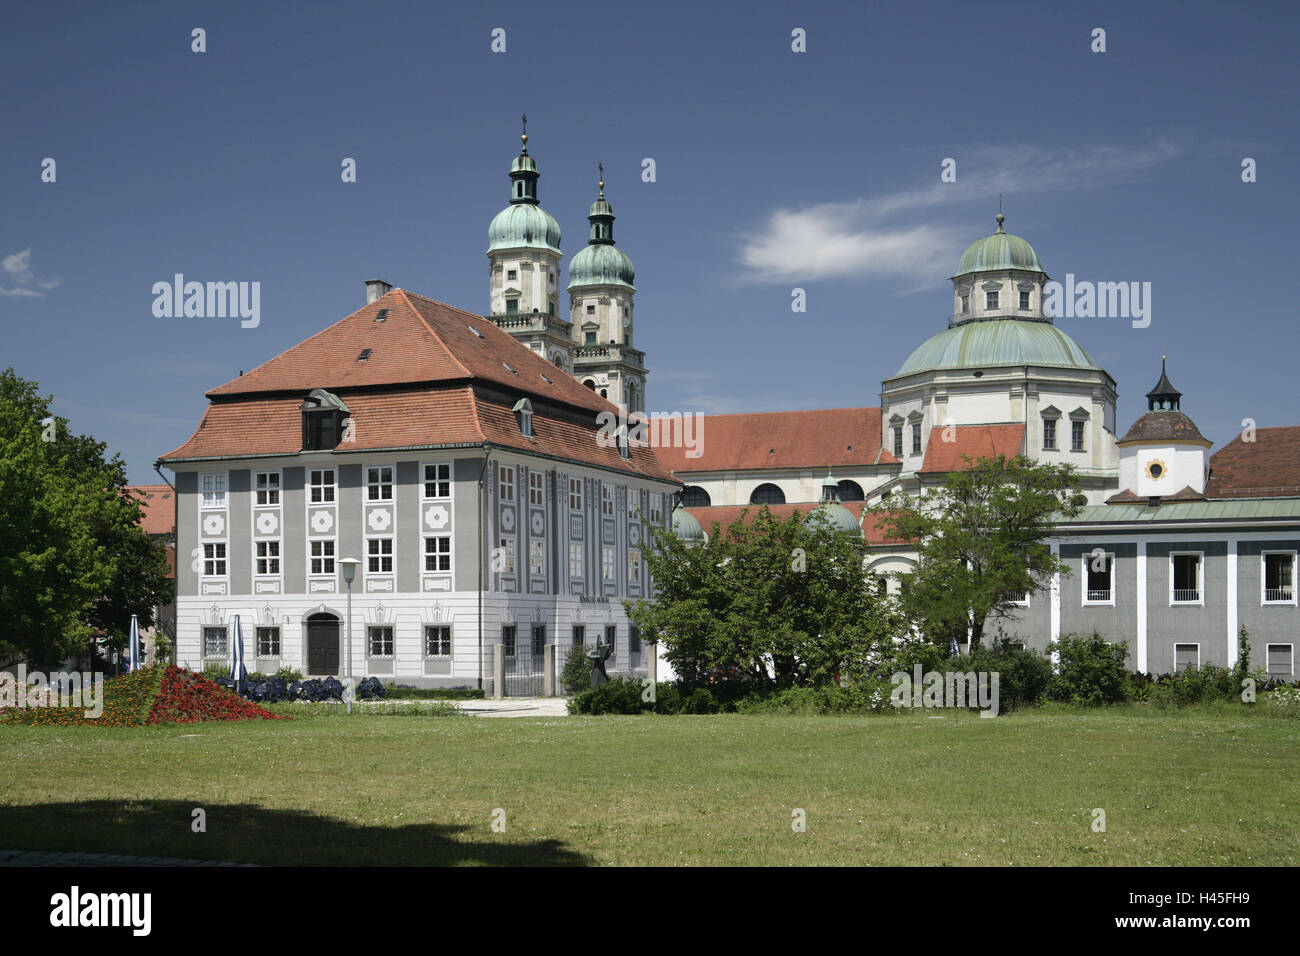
323	415
524	417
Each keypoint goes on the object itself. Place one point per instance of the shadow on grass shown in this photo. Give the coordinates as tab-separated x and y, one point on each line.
244	833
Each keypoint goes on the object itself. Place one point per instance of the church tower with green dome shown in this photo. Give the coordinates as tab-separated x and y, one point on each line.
1002	373
601	309
524	267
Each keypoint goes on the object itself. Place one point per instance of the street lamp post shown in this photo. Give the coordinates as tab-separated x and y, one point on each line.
349	572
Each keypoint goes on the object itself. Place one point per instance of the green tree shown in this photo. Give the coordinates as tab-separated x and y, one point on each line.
783	602
982	541
72	554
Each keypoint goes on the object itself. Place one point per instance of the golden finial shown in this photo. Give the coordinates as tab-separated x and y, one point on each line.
524	136
601	183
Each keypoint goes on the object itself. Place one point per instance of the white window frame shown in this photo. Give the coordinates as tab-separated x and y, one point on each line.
575	494
1082	425
536	556
506	483
606	499
576	559
1056	433
1024	601
313	487
451	642
381	485
633	503
277	558
381	555
508	548
437	480
1290	649
392	653
608	563
1263	578
536	487
634	566
214	497
1195	644
322	558
203	637
990	300
656	508
1200	580
272	488
1086	564
224	559
425	554
257	640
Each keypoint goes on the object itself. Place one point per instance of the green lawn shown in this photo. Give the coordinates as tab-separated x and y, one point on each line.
1177	788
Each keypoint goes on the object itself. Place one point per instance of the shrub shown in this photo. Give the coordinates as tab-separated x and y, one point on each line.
1023	674
698	701
399	692
575	676
1196	686
288	674
1091	672
626	695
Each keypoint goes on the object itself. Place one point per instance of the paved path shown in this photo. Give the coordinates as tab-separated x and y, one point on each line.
515	707
39	858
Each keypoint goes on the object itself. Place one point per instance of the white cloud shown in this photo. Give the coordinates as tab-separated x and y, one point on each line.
898	235
17	269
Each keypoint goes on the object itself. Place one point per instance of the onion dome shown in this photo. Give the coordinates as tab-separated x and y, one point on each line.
998	253
831	512
599	263
524	223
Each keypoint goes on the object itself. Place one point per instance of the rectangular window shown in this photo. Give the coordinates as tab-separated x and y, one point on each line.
508	640
214	491
1076	435
322	557
214	642
575	494
539	641
1098	571
898	441
634	565
1186	571
1024	299
591	310
268	487
1280	660
1049	434
607	562
512	275
214	560
379	554
633	639
916	439
379	483
965	304
508	555
506	482
437	640
590	337
611	635
990	300
512	306
437	552
606	498
268	642
1279	578
380	640
437	481
536	556
1187	657
633	503
268	557
656	508
536	488
579	634
575	559
322	485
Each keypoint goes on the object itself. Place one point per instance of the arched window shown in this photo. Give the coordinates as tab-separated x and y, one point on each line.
590	383
767	494
851	491
693	496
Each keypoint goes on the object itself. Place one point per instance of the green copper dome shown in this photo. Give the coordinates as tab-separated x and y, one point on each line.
836	515
999	252
998	342
687	528
599	264
523	225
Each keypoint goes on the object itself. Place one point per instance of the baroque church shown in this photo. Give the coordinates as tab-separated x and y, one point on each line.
454	458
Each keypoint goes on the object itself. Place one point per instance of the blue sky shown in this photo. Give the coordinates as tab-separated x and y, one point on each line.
774	170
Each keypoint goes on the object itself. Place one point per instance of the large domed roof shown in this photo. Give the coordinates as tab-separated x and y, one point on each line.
687	528
601	264
524	225
997	253
998	342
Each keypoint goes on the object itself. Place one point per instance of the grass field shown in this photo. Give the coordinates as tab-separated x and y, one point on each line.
1177	788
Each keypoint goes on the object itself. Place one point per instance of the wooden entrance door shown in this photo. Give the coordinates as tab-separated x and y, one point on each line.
322	645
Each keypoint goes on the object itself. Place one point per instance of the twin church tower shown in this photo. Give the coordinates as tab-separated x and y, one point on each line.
595	344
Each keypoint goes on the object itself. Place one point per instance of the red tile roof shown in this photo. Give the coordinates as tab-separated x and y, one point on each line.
1268	467
1130	497
420	341
725	515
158	508
975	441
435	375
827	437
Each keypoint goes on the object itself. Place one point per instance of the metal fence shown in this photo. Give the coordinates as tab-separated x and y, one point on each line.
524	671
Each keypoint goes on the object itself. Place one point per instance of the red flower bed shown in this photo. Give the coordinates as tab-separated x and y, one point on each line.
187	698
